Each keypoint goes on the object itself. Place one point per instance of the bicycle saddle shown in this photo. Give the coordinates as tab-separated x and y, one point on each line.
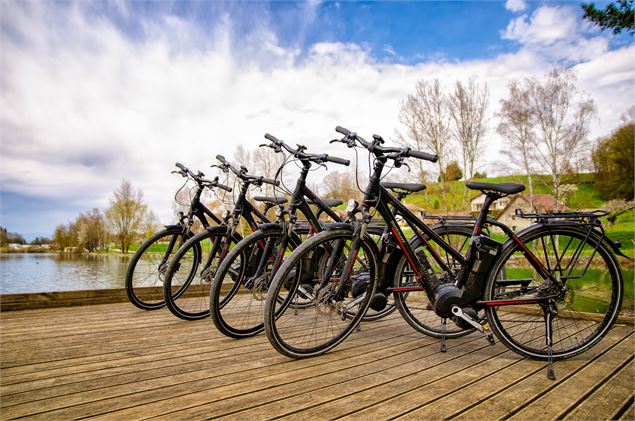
505	188
409	187
331	203
269	199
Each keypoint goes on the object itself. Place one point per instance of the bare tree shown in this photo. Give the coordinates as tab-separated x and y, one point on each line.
266	163
126	215
562	121
243	156
516	126
341	185
426	118
91	230
468	105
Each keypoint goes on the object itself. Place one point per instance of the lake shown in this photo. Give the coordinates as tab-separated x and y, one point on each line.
47	272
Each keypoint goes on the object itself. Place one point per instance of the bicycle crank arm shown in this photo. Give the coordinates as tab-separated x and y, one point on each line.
456	310
354	302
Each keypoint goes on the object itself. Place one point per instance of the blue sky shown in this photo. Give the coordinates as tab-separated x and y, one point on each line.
94	92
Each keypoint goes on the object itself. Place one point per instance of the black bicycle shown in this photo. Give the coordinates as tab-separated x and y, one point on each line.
242	279
190	271
146	270
550	292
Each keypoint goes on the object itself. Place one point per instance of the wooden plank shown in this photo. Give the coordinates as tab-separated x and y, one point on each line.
334	371
572	391
176	361
166	396
606	399
628	411
509	399
117	362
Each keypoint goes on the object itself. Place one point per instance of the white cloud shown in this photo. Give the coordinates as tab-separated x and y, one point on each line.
556	33
83	106
515	5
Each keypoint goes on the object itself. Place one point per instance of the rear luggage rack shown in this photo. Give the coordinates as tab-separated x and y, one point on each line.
581	216
442	218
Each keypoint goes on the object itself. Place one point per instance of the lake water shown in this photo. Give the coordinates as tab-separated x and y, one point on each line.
47	272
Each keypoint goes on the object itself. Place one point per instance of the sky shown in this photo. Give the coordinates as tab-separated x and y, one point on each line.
97	91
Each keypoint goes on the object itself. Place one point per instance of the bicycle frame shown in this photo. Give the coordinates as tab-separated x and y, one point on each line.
381	199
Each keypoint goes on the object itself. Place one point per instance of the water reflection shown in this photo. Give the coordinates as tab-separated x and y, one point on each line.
48	272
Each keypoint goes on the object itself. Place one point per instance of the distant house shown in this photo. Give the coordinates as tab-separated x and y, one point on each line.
507	206
477	203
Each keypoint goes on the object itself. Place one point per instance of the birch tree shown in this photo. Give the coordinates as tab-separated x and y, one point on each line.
562	115
425	116
468	107
516	128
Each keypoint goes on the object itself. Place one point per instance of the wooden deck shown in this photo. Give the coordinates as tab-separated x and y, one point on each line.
114	361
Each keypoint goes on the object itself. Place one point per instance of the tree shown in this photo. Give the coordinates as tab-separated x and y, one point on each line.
468	105
613	159
562	116
341	185
452	172
65	236
10	237
91	230
426	119
266	164
126	214
516	127
617	16
40	241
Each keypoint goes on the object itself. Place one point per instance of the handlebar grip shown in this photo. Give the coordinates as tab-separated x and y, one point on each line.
181	166
423	155
270	181
342	130
224	187
337	160
271	137
222	159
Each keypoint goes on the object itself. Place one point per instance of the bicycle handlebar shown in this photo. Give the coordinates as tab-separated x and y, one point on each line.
199	178
300	154
374	147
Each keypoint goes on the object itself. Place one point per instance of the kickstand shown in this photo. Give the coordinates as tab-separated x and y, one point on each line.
443	323
549	314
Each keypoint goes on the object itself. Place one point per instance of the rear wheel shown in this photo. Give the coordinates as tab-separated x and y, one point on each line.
584	312
314	269
412	301
147	268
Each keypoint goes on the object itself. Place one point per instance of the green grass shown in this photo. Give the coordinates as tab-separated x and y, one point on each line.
585	197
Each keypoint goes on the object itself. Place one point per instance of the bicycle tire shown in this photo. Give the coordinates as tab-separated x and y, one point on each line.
584	314
188	297
146	270
237	293
414	306
284	323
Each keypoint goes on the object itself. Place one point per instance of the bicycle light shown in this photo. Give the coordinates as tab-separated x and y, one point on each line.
352	205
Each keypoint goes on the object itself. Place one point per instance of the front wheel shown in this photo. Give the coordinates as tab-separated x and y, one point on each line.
239	288
314	269
584	312
147	268
189	276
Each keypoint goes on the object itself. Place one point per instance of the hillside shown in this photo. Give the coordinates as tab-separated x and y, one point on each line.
584	196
